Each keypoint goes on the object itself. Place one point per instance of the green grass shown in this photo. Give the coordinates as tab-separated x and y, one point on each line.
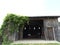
39	44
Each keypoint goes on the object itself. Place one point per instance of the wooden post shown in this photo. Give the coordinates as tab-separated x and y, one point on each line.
21	32
54	34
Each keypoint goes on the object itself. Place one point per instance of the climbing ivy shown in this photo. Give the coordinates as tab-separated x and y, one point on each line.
11	24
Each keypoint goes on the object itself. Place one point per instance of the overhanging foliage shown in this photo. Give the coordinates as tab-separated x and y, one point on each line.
11	24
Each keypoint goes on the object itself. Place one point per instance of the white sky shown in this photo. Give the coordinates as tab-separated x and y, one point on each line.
29	8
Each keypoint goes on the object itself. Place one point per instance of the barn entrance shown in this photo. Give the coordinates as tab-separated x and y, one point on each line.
34	30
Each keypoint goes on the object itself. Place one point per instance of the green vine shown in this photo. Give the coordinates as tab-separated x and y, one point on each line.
11	24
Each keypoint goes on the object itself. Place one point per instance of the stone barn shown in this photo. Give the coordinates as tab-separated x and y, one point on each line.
38	28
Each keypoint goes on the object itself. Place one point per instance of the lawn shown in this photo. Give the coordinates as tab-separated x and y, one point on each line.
39	44
35	42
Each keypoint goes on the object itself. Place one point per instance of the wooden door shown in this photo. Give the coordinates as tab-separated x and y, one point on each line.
50	33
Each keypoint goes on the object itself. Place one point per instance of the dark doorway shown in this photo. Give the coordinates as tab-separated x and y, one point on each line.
33	30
